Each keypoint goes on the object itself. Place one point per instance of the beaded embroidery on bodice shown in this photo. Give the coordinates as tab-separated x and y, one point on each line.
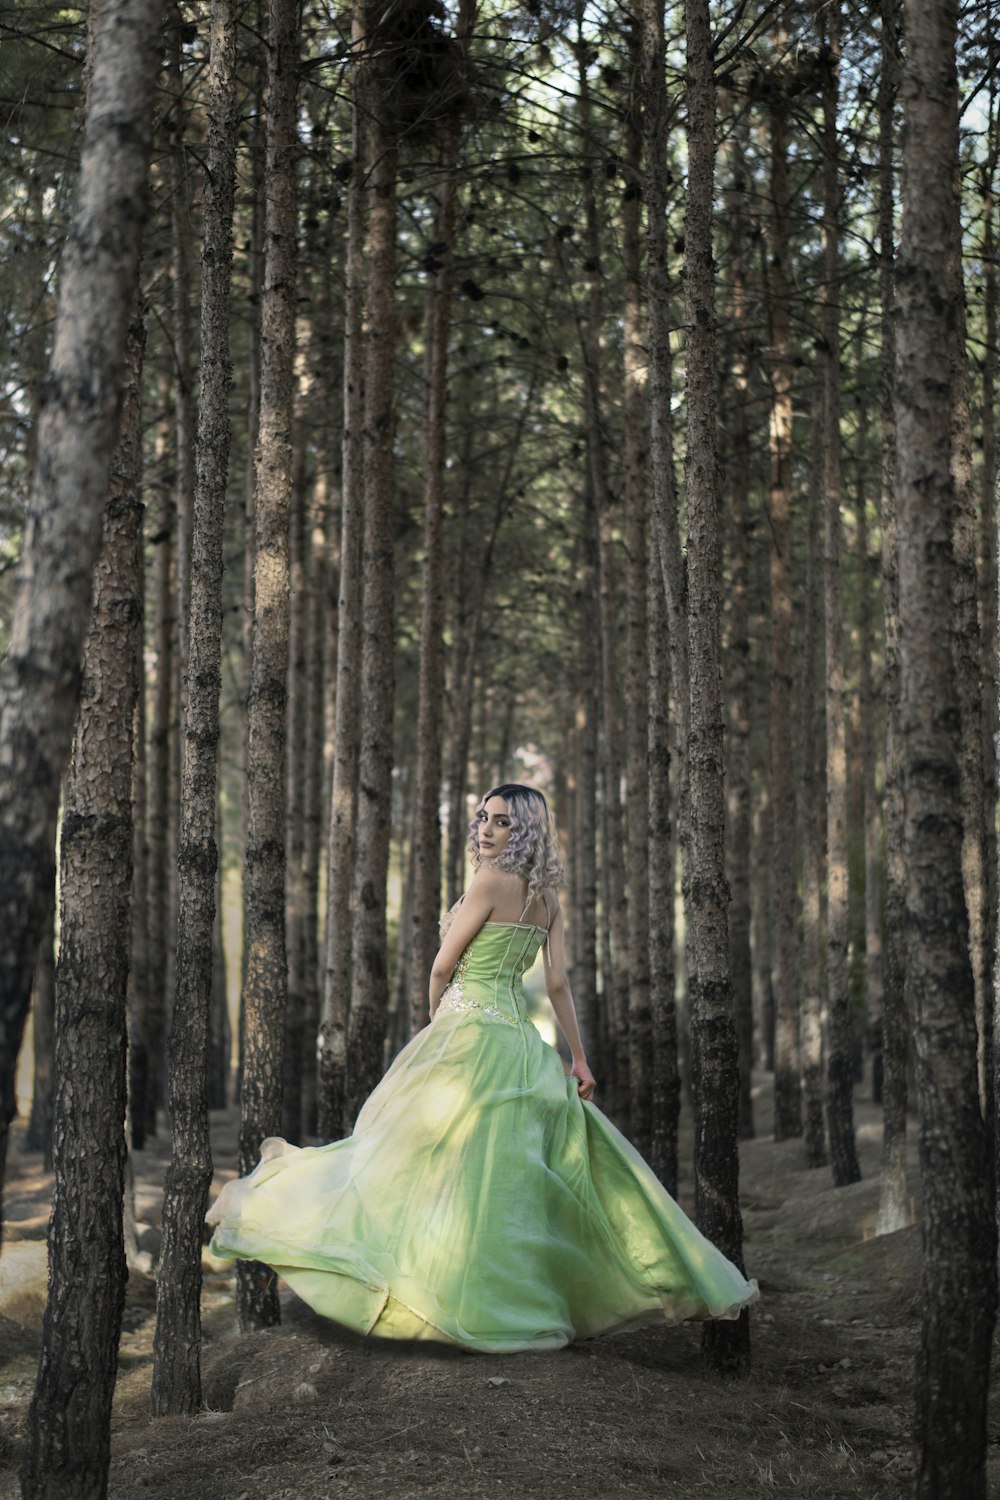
487	977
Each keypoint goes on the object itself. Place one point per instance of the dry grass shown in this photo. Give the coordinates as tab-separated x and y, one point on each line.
309	1412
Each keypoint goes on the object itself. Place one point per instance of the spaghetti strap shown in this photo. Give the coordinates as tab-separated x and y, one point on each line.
548	914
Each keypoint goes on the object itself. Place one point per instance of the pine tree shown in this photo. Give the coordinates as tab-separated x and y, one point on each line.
959	1233
77	427
69	1424
264	880
176	1383
714	1064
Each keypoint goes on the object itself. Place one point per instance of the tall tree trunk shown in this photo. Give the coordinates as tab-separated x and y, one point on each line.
295	1060
840	1059
319	607
610	1036
989	597
787	1057
665	520
871	814
738	656
761	926
459	591
584	892
161	735
860	1018
398	1027
640	1034
43	1008
139	976
968	658
667	622
714	1063
611	708
662	881
369	973
893	1209
812	811
176	1383
959	1234
220	1031
69	1423
77	424
264	878
332	1040
426	891
255	298
183	362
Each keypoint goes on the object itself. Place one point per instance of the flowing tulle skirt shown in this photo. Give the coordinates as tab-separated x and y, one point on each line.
479	1201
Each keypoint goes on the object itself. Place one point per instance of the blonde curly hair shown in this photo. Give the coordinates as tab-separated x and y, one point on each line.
532	850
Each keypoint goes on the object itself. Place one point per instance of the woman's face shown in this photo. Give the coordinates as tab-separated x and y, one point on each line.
494	828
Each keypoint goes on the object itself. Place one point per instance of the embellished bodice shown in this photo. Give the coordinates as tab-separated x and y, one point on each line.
488	976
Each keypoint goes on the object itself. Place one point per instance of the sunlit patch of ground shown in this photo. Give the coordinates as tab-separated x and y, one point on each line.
309	1412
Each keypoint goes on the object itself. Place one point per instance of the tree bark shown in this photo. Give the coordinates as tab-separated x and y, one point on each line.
667	623
740	842
989	596
295	1060
871	812
183	362
894	1208
640	1024
139	966
319	606
43	1007
264	878
332	1040
220	1030
840	1059
761	927
77	426
426	861
714	1063
369	973
813	812
69	1423
162	731
255	298
968	660
176	1382
610	706
666	1102
959	1234
784	897
584	893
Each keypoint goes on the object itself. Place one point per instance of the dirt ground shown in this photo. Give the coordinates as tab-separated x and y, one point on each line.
310	1412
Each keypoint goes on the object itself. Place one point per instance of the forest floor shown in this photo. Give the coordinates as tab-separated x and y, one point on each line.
310	1412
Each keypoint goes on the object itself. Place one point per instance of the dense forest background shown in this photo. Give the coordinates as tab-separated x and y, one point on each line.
506	393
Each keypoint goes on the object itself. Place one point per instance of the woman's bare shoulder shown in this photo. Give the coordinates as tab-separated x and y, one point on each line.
489	881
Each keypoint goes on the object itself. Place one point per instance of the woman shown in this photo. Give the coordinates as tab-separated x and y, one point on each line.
483	1199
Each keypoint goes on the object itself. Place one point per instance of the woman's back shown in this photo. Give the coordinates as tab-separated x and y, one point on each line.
511	903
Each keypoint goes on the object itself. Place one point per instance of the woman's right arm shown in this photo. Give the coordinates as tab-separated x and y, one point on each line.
561	997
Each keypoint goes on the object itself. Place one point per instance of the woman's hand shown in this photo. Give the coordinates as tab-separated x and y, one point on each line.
586	1082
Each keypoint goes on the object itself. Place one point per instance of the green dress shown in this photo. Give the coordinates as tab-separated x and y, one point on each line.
479	1200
